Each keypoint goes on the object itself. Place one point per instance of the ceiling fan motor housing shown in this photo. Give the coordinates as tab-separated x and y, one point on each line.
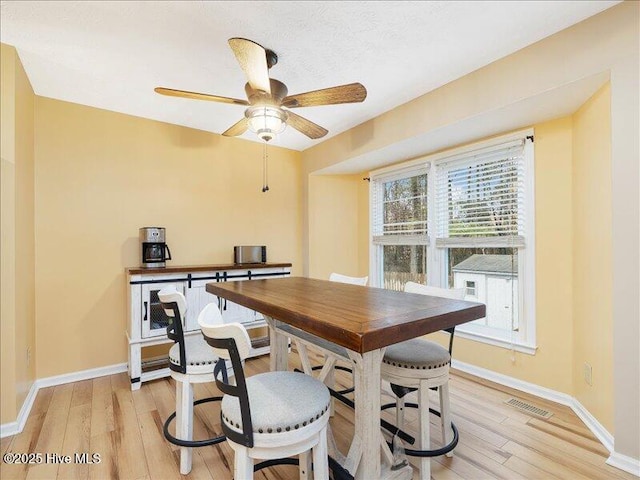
258	97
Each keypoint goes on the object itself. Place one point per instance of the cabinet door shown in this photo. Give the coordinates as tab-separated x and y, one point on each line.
197	298
154	320
232	312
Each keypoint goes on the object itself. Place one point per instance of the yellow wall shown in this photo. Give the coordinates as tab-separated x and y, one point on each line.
333	225
7	227
102	175
338	225
592	275
363	227
17	284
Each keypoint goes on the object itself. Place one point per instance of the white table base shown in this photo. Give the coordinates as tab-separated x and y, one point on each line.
368	445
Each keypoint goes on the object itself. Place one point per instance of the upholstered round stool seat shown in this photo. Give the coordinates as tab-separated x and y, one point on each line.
417	354
198	353
280	402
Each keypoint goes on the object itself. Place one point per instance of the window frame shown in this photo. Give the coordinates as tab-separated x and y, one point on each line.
525	339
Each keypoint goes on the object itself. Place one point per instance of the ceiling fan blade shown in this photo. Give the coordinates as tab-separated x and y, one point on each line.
237	128
198	96
253	60
305	126
351	93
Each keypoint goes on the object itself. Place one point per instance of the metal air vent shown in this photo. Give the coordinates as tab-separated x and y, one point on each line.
528	408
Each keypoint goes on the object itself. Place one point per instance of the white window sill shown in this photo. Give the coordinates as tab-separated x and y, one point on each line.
516	345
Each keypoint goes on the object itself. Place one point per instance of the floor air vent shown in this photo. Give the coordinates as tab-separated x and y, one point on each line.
528	408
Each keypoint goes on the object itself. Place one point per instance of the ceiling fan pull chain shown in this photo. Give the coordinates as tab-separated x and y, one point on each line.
265	158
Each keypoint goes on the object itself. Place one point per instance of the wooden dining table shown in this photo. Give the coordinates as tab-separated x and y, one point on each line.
355	322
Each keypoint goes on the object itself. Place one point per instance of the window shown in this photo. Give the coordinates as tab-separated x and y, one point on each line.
463	219
470	288
401	229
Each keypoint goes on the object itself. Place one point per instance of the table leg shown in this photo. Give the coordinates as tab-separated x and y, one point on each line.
367	414
279	346
330	382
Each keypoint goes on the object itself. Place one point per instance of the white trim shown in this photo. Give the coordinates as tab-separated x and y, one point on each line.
13	428
8	429
528	266
589	420
529	349
374	251
593	424
434	257
81	375
623	462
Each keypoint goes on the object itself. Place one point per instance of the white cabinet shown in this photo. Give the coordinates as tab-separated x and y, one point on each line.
232	312
197	298
148	322
154	320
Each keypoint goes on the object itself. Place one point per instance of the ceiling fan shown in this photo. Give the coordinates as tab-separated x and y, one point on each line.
269	106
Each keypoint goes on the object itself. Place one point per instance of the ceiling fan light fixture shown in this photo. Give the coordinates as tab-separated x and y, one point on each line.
266	121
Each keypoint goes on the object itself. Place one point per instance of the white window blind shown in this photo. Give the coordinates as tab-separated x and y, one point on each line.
480	198
399	214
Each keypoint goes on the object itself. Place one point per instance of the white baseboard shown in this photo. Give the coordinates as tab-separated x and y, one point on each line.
589	420
623	462
8	429
81	375
596	427
13	428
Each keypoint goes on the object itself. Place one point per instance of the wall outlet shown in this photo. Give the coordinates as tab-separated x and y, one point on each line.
588	374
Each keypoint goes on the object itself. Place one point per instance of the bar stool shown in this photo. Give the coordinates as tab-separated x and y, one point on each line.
421	365
270	415
191	360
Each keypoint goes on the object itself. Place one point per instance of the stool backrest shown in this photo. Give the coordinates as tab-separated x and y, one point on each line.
232	342
453	293
175	307
210	316
337	277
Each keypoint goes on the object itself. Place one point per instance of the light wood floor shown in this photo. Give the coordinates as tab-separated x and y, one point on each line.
104	416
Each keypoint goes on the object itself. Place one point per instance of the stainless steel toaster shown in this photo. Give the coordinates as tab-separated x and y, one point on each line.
250	254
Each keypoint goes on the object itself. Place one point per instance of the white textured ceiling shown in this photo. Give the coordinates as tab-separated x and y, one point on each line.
111	55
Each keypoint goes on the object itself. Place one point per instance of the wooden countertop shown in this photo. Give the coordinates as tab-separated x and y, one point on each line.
202	268
358	318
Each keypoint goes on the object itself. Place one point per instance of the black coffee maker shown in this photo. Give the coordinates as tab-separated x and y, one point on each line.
155	251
